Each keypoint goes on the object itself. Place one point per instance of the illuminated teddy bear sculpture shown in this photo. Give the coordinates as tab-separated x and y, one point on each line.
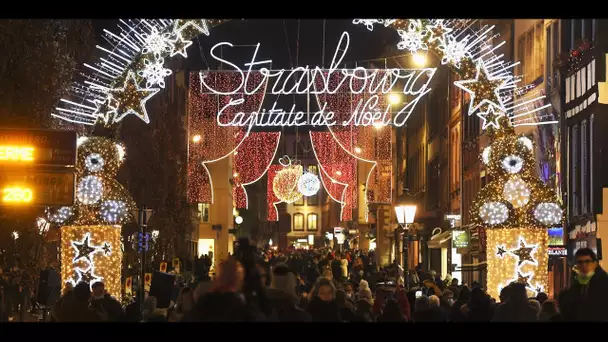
91	244
514	210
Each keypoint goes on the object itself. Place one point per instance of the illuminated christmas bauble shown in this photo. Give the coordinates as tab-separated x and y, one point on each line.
61	215
517	192
548	213
309	184
285	184
114	211
89	190
493	213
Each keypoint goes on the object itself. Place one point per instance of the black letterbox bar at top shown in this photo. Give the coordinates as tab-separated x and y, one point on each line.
50	147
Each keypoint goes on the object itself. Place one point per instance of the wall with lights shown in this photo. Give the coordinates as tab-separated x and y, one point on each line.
517	255
91	254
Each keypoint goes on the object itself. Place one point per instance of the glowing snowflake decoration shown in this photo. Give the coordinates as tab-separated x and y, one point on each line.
156	43
154	73
114	211
89	190
369	23
548	213
412	39
454	51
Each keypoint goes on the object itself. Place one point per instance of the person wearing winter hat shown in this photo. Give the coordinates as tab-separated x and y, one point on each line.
364	291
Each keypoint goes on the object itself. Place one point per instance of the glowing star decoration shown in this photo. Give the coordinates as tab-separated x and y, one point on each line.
526	142
490	117
114	211
501	251
156	43
412	39
524	253
454	51
512	164
83	249
548	213
309	184
154	72
132	99
94	162
485	155
493	213
437	31
61	215
107	249
517	192
89	190
106	110
87	276
484	89
179	46
198	25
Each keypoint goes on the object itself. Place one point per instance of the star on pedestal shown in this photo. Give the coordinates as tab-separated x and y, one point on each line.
501	251
199	25
132	99
107	249
180	45
491	117
484	89
437	31
87	276
83	249
524	253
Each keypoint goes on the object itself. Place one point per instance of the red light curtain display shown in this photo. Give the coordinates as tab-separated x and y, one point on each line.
365	143
271	198
338	171
215	142
251	160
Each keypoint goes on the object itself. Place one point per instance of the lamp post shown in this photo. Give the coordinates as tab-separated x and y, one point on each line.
405	210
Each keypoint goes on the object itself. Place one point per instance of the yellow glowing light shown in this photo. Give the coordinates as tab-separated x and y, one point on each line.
105	264
378	125
504	269
419	59
236	174
17	195
394	99
357	149
16	153
196	138
339	173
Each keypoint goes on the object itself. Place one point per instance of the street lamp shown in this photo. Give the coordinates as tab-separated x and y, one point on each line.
405	210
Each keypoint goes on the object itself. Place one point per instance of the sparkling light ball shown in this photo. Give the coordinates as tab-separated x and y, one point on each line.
309	184
89	190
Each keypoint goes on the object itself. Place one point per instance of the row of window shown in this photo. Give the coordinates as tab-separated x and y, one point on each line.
311	222
579	83
580	181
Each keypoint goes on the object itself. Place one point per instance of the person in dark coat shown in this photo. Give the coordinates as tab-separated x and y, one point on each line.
456	315
517	308
224	302
586	299
313	272
283	298
76	307
479	307
364	310
346	308
549	312
423	312
323	306
336	267
103	302
392	312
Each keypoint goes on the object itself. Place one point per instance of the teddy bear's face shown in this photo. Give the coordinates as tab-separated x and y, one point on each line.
98	156
506	157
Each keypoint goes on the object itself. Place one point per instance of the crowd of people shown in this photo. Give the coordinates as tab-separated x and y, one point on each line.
328	286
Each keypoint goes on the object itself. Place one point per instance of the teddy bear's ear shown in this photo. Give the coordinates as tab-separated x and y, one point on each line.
526	142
